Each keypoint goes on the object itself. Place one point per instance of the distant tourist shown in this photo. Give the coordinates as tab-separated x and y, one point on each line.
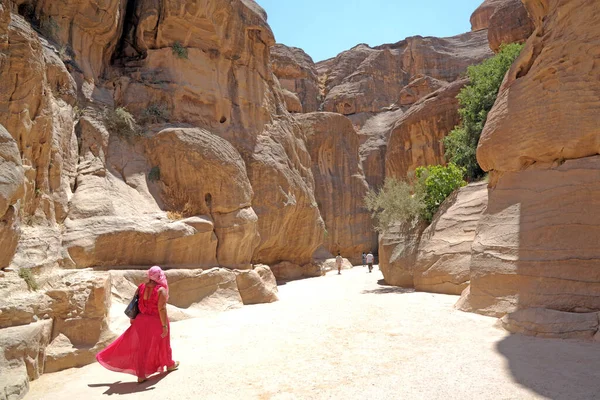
145	347
370	261
338	262
364	259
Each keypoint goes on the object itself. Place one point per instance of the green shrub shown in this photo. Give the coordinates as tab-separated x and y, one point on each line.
476	100
155	113
437	182
179	50
29	278
154	174
121	122
396	201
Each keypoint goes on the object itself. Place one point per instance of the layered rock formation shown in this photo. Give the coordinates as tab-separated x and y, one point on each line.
375	87
340	185
416	139
507	21
436	257
443	262
536	245
297	74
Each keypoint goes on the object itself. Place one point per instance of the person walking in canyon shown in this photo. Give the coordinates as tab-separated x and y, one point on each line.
370	261
145	347
364	259
338	263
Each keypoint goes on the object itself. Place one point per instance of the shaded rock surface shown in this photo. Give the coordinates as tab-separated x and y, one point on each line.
536	243
546	323
340	186
398	249
444	259
416	139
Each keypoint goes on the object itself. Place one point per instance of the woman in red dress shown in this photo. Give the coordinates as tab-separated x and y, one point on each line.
145	347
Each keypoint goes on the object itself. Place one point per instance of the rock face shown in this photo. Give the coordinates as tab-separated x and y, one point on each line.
416	139
340	186
398	249
375	87
74	307
297	73
444	258
537	238
538	235
366	79
507	21
546	323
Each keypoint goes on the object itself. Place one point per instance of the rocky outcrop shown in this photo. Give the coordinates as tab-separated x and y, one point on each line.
536	242
444	258
366	79
416	139
538	238
374	87
510	23
61	326
546	323
507	21
535	74
297	73
340	186
398	249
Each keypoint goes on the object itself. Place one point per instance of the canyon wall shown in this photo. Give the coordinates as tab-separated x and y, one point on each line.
536	245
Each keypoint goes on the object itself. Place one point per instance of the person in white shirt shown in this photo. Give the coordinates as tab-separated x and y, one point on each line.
370	261
338	263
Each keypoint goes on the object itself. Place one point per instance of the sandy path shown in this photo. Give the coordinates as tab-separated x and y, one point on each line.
346	337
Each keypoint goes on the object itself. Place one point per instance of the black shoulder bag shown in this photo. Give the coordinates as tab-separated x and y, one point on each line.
132	309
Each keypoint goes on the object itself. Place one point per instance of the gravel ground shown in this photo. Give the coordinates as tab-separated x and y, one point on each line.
348	337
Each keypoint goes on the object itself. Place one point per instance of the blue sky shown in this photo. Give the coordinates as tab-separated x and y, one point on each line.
324	28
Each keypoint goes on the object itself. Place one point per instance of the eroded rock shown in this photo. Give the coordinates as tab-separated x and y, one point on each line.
547	323
444	259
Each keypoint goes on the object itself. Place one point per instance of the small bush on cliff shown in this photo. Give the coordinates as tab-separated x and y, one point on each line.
155	113
179	50
29	278
476	100
395	202
438	182
121	122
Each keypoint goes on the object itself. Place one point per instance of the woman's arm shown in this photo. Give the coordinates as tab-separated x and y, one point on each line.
162	312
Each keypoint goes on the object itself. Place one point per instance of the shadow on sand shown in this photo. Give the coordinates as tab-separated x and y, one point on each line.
554	368
122	388
385	289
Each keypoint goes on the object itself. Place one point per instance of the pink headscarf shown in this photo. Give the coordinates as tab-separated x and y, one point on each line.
157	275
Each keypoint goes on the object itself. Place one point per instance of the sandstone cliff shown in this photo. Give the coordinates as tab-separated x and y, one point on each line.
375	87
536	245
507	21
297	73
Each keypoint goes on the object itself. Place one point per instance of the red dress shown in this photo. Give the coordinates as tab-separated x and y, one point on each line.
140	351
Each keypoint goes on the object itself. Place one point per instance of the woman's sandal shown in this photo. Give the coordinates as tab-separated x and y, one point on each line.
142	380
173	367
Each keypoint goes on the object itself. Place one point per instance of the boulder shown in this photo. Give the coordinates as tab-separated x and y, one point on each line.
542	322
398	249
287	271
340	186
292	101
444	258
297	73
536	243
416	139
22	357
480	19
257	286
